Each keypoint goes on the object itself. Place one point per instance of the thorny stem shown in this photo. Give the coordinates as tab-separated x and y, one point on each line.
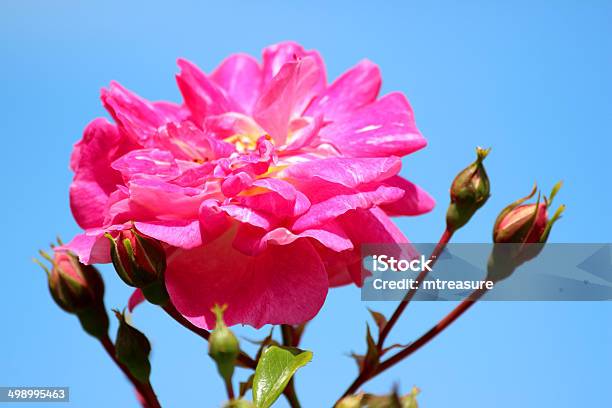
420	342
145	391
446	236
434	331
243	359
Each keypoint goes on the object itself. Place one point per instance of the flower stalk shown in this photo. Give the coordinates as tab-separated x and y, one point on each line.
444	240
417	344
144	391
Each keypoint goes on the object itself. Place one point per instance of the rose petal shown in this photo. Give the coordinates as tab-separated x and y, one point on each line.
277	55
135	299
383	128
415	200
286	96
146	162
357	87
240	76
325	211
94	179
90	248
284	284
202	96
178	233
138	118
349	172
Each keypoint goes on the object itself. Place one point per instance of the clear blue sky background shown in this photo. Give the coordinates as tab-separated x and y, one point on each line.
532	79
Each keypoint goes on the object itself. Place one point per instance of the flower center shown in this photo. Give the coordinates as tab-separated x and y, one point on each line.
243	142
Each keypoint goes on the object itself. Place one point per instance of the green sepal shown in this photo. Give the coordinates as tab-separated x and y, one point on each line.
551	222
156	293
114	252
223	346
94	320
132	349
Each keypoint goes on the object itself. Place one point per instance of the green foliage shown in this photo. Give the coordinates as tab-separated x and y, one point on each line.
275	368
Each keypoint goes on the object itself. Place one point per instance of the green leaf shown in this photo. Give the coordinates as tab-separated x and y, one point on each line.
275	368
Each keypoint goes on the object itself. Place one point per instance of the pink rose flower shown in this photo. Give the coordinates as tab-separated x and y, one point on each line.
261	186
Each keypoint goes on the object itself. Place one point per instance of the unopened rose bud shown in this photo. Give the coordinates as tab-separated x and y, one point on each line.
78	289
469	191
132	348
520	232
140	262
223	345
74	286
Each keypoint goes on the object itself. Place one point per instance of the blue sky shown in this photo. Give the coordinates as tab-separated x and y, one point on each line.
529	78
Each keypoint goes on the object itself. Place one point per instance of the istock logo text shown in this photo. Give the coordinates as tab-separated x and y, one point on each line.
382	263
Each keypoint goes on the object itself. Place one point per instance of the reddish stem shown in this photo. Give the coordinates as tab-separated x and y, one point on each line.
420	342
444	239
144	391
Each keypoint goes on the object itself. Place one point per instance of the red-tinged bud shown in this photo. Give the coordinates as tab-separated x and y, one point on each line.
520	232
74	286
140	262
520	223
525	223
469	191
78	289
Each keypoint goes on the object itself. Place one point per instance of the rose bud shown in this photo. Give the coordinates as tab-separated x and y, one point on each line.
469	191
223	345
74	286
140	262
526	223
520	232
132	348
77	289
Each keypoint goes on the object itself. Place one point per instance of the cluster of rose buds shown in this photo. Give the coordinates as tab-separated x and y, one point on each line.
520	231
